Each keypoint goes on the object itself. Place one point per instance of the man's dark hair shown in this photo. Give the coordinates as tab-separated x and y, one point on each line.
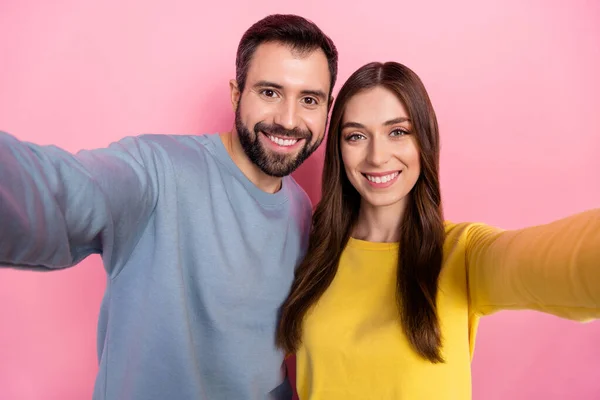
299	33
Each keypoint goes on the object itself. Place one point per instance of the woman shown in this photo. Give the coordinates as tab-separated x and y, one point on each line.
386	303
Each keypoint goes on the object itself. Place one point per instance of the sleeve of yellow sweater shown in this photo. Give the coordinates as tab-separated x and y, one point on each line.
553	268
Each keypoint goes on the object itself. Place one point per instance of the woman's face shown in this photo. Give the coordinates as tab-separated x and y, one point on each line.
379	149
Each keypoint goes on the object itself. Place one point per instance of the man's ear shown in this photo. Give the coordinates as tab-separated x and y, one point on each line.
331	98
235	94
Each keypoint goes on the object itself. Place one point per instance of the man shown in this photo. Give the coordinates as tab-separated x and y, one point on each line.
199	235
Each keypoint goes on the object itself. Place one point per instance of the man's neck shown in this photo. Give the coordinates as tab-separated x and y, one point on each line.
264	182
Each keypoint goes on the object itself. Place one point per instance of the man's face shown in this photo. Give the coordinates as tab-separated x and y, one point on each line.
282	113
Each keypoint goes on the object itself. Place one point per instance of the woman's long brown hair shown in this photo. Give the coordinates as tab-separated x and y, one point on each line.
421	231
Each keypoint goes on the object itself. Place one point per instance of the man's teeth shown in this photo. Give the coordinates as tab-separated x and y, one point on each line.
382	179
283	142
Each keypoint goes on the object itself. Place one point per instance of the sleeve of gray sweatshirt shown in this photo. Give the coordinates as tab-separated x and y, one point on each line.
56	208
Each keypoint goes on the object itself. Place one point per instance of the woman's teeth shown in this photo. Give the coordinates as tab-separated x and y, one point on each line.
382	179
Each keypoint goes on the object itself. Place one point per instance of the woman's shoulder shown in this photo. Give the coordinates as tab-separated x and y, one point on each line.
456	231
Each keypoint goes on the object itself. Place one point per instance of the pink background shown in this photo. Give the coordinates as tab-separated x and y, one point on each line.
515	85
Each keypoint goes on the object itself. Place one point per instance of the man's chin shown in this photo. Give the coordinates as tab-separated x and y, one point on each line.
277	165
278	169
273	162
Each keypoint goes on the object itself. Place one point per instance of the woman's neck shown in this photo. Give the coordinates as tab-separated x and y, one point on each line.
379	223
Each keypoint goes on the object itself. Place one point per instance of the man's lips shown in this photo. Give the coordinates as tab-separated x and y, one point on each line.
282	141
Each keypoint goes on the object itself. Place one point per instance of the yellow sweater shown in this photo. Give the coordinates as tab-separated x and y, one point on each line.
353	345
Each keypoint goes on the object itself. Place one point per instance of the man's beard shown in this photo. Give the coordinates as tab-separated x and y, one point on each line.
269	161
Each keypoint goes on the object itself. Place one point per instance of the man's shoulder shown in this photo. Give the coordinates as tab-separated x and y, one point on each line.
296	189
298	195
175	147
175	141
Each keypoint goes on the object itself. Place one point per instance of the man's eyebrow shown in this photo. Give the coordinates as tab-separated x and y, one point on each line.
316	93
268	84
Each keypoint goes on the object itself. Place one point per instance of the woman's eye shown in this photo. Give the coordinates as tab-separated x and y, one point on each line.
354	137
398	132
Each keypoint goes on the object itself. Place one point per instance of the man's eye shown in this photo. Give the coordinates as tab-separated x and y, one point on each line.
268	93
